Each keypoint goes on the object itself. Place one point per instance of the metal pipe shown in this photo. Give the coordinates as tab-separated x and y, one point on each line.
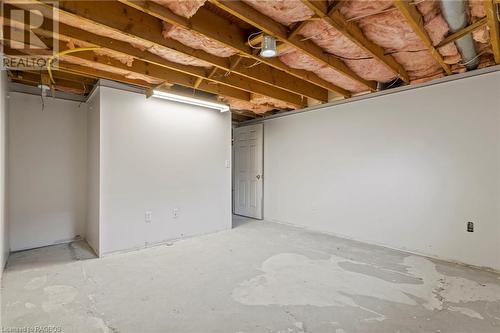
455	14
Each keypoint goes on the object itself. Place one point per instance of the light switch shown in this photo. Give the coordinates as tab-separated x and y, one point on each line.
148	216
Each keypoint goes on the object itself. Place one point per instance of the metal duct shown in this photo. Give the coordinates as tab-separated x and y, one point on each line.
455	14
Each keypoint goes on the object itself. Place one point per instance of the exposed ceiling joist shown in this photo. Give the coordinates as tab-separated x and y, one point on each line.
62	84
493	25
459	34
416	22
218	29
135	25
88	71
351	31
70	34
270	27
141	68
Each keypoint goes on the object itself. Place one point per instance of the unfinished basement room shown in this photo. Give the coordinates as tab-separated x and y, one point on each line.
250	166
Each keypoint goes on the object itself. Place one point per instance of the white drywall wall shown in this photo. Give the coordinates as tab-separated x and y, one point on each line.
93	151
47	171
405	170
4	239
156	156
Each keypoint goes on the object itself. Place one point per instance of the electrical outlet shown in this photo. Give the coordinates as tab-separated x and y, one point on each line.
148	216
175	213
470	226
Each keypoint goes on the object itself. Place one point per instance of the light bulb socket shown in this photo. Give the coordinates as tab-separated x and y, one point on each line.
268	49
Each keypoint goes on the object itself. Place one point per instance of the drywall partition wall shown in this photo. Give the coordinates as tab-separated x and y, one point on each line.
4	239
405	170
93	174
47	170
166	158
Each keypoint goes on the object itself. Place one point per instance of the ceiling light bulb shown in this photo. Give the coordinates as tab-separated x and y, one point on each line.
268	47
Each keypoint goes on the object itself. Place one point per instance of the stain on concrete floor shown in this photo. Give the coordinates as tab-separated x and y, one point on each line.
258	277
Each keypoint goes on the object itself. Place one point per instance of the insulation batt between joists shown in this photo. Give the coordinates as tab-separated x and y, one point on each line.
387	27
197	41
123	58
110	69
334	42
482	35
161	51
258	104
185	8
299	60
285	12
238	104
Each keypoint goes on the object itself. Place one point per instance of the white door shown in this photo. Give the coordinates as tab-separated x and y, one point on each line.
248	170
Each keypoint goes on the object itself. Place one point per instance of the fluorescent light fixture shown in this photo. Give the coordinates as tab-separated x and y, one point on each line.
190	100
268	47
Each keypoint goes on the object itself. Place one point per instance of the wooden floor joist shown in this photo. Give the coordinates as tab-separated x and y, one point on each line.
416	22
136	25
460	33
492	14
351	31
219	29
62	84
70	34
252	16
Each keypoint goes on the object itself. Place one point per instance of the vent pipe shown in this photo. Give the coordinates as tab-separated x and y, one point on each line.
455	14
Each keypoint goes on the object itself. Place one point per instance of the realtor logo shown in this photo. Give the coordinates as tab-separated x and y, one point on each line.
29	35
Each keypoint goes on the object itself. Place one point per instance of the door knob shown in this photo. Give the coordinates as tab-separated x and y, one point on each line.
258	176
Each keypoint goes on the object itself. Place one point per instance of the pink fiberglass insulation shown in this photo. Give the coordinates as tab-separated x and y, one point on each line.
477	8
390	30
300	60
171	55
283	11
418	64
358	9
159	50
482	35
186	8
334	42
272	102
110	69
239	104
196	40
437	28
121	57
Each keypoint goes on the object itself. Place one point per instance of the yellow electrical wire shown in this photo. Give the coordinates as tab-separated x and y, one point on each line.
51	59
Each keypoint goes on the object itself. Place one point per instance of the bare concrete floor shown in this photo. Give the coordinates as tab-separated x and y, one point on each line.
258	277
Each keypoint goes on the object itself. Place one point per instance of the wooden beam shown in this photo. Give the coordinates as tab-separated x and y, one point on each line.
459	34
221	30
416	22
153	71
37	78
270	27
335	6
70	77
89	71
71	34
492	16
354	33
296	29
135	25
